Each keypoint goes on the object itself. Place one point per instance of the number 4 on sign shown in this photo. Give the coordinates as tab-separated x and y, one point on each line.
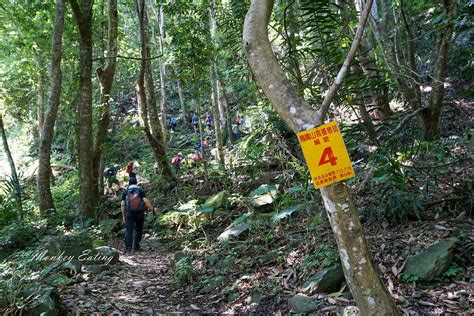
327	157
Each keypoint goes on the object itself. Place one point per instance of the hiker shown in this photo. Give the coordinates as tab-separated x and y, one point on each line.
110	175
132	169
176	161
195	121
209	120
235	131
238	119
205	147
133	206
173	124
197	156
197	145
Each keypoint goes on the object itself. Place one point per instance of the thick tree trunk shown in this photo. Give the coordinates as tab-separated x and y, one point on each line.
83	17
158	130
45	198
106	79
369	292
155	142
430	117
13	173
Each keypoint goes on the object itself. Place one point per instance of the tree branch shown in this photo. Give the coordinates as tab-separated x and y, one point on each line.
331	93
126	57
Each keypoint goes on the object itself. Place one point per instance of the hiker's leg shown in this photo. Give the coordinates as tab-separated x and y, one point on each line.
139	220
129	222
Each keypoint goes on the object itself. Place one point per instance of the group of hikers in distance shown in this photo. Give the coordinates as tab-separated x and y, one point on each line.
134	203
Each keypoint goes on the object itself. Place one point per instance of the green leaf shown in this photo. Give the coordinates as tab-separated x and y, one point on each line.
204	208
189	206
264	189
286	212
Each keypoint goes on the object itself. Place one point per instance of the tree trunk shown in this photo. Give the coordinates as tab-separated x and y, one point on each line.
215	114
409	88
41	103
45	198
159	42
223	100
186	122
162	73
430	117
106	79
217	108
158	130
14	175
378	97
197	97
83	16
369	292
155	142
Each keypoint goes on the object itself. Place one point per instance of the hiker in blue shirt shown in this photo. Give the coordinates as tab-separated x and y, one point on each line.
173	124
133	206
195	121
209	120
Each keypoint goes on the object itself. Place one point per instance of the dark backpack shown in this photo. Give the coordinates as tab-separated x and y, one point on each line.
133	200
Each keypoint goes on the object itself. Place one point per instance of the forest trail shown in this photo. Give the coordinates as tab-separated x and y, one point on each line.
137	284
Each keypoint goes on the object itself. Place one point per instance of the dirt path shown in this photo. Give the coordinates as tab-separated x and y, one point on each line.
138	284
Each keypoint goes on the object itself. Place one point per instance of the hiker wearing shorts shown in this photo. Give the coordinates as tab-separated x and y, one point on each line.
195	121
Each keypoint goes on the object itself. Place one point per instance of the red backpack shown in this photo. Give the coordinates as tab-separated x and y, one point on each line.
134	201
176	161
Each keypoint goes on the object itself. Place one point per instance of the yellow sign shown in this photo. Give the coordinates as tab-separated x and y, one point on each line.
326	154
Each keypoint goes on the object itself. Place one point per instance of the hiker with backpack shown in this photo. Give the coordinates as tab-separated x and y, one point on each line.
134	204
176	161
110	175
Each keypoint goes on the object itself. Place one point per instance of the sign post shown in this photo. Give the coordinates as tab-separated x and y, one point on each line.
326	155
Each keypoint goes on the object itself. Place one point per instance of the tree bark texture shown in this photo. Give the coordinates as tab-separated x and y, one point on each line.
217	108
106	79
45	198
430	117
227	114
215	114
158	130
83	15
41	103
368	290
161	61
13	173
155	143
